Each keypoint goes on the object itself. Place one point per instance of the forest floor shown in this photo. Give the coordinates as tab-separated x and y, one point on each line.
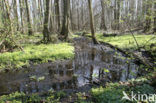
111	93
146	43
127	42
35	53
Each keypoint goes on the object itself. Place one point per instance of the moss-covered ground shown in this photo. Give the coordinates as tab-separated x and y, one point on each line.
36	53
127	41
112	93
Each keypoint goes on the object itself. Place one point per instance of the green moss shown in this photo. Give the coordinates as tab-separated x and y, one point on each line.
37	54
113	92
23	98
25	39
127	41
75	36
60	94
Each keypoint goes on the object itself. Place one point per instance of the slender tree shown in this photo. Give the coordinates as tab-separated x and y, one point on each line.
117	14
65	26
21	15
16	14
78	16
3	12
92	21
148	16
30	31
40	7
71	14
9	22
57	13
154	17
46	37
103	26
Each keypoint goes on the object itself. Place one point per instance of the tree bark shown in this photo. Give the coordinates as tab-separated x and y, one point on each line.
30	31
148	18
117	15
154	17
46	37
16	14
78	20
92	21
8	17
71	15
57	13
65	25
21	15
103	25
3	14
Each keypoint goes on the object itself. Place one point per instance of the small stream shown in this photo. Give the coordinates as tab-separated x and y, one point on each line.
91	63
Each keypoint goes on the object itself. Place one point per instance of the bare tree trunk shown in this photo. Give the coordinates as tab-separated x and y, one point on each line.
21	15
117	14
82	15
40	12
78	20
65	25
71	18
51	18
3	14
16	14
103	25
30	31
148	18
46	37
154	17
71	15
92	21
8	17
57	13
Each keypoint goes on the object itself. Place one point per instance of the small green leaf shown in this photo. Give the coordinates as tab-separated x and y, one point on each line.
41	79
106	70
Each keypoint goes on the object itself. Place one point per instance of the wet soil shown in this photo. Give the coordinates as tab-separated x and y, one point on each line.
91	63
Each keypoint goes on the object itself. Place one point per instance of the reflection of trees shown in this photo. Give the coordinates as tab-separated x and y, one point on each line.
62	76
91	73
93	53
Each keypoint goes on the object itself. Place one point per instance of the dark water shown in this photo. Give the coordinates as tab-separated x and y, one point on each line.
90	63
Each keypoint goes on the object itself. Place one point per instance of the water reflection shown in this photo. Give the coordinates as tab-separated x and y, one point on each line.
88	64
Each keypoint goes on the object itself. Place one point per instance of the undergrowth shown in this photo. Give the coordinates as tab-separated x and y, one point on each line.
35	53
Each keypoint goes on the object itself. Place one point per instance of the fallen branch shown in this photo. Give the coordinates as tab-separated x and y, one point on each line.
132	34
149	40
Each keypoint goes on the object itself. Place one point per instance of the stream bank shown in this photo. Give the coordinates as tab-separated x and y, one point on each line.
92	63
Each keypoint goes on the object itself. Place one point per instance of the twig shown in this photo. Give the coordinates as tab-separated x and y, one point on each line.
149	40
132	34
